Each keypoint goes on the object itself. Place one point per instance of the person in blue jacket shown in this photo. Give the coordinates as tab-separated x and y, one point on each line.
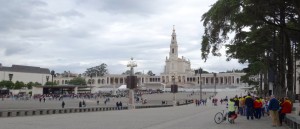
273	109
249	102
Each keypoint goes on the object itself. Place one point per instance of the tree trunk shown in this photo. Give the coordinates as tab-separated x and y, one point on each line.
266	84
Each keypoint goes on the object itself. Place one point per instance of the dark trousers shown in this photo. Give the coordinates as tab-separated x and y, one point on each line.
257	113
241	112
249	112
263	111
281	117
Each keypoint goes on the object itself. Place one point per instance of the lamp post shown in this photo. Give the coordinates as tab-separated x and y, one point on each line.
52	74
47	78
215	91
10	76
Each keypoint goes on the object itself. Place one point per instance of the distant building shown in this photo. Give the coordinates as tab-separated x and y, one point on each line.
24	73
180	68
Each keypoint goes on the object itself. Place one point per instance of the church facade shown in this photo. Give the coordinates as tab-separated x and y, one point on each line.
176	70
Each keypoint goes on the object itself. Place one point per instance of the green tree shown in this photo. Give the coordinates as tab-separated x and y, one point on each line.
99	70
127	72
19	85
77	81
150	73
37	84
263	31
50	83
29	85
6	84
138	73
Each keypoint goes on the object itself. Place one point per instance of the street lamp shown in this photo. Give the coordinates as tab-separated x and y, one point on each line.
52	74
47	78
215	91
10	76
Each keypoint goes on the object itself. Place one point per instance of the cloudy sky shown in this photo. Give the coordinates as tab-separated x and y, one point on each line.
73	35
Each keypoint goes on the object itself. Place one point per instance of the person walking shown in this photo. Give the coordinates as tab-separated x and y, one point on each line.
242	106
120	104
249	102
273	109
80	104
231	111
117	104
83	103
286	107
263	107
63	104
257	108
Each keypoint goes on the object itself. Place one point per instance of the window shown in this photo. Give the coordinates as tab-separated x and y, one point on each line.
173	50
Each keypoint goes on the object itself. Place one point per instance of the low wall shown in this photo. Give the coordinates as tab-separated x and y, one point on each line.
39	112
36	112
293	119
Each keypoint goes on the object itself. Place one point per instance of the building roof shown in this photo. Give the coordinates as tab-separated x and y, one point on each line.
25	69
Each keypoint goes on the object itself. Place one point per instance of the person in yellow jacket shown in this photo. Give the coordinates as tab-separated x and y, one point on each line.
231	111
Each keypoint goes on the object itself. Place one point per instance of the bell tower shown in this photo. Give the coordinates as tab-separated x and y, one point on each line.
173	54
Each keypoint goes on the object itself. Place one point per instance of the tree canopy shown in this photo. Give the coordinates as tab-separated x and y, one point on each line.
265	33
99	70
77	81
150	73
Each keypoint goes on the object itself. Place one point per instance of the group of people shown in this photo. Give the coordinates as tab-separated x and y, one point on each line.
82	104
256	107
199	102
119	105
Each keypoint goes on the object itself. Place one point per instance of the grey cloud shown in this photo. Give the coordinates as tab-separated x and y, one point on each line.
71	13
137	7
12	48
17	14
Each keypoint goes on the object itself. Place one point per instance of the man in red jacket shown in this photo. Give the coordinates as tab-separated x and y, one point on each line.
257	108
286	107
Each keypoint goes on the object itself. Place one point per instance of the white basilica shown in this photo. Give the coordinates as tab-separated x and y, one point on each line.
180	68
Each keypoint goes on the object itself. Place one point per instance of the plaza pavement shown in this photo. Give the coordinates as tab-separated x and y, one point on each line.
181	117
